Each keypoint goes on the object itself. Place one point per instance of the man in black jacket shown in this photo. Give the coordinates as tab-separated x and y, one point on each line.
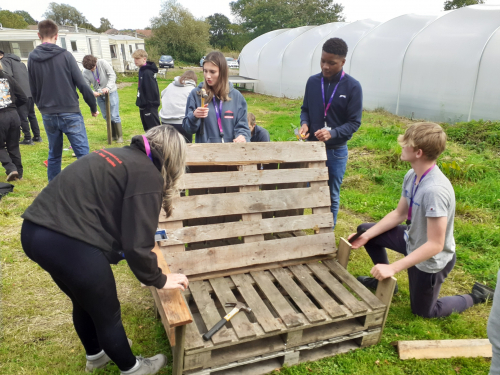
12	65
148	93
54	77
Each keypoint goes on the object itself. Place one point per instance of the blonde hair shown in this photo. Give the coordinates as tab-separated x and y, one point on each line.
426	136
251	118
139	53
172	146
221	88
189	74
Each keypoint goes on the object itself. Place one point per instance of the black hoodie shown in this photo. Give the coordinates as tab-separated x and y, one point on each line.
54	76
13	65
110	199
148	94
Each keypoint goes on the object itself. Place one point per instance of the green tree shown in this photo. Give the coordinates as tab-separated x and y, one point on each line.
26	16
176	32
262	16
105	25
64	14
455	4
12	20
220	30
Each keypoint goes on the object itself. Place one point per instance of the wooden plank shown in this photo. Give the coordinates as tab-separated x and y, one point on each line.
193	337
322	273
169	330
244	255
355	285
250	217
343	252
265	318
279	303
308	308
200	206
246	228
169	227
385	292
172	301
178	364
209	312
240	322
254	178
435	349
319	294
251	153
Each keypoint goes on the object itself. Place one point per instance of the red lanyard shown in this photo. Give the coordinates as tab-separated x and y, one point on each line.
327	106
218	113
414	191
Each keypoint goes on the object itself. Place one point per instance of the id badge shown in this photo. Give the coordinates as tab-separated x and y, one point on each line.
138	94
407	234
327	127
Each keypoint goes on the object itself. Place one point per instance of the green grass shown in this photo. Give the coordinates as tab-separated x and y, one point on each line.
37	333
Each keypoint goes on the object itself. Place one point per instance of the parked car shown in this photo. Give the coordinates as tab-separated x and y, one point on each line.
202	60
232	63
166	61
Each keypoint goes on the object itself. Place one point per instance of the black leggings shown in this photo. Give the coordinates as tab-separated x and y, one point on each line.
83	273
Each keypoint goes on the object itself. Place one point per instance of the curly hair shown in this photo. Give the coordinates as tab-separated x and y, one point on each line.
89	62
336	46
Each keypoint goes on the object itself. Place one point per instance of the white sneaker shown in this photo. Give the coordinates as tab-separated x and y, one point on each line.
100	362
147	366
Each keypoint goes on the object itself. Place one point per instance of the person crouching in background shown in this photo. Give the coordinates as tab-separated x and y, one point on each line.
259	134
100	75
174	99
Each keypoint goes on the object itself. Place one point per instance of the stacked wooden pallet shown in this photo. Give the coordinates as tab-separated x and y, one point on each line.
239	235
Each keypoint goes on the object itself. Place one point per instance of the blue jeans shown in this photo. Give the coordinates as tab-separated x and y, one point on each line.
70	124
336	163
114	103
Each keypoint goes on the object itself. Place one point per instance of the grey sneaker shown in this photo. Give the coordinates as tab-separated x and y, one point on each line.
100	362
148	366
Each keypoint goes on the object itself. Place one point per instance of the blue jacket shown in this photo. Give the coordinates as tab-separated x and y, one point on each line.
234	118
344	114
260	135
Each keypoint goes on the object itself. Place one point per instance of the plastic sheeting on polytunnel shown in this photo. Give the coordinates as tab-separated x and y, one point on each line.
442	67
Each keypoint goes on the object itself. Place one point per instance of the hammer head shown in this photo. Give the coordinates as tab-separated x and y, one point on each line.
239	306
204	93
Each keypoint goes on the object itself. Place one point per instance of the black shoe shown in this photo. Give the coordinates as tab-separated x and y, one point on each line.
480	293
372	283
13	176
27	142
37	139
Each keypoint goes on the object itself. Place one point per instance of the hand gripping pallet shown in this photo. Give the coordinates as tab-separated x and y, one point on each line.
239	234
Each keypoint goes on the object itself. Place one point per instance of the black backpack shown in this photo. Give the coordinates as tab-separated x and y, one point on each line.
5	189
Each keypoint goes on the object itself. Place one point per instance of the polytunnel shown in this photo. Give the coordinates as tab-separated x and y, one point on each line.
443	67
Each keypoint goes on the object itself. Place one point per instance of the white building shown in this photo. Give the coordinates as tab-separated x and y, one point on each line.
121	48
441	67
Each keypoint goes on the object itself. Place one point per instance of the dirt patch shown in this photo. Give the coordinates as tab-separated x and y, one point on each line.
123	84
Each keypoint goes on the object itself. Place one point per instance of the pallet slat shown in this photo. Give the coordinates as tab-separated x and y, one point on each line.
209	205
235	256
279	303
322	273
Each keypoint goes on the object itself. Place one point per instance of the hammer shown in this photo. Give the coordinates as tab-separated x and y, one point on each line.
237	307
204	95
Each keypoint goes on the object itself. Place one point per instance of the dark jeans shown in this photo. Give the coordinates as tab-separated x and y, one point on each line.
424	287
178	127
149	118
83	273
28	117
10	155
336	163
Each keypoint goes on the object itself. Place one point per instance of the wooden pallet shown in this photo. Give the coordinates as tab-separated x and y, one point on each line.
239	233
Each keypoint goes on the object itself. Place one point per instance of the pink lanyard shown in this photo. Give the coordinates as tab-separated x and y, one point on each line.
146	146
414	191
326	107
218	113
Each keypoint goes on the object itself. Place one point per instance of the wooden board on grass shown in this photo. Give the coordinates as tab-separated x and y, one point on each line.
435	349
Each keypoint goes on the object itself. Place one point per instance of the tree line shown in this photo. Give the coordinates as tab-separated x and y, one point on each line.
176	32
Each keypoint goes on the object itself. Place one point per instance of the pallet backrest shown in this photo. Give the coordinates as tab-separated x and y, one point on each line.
243	208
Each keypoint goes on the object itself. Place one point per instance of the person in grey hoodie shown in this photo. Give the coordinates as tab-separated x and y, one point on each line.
12	65
224	116
174	99
54	77
100	75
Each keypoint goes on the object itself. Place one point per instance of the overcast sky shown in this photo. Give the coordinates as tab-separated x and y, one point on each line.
132	14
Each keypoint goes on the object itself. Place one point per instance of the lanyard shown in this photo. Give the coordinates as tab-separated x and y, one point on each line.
218	113
96	78
327	106
146	146
414	191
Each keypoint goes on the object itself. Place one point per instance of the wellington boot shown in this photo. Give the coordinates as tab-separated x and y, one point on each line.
119	133
114	136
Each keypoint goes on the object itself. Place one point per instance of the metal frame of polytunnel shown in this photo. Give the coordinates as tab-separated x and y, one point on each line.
442	67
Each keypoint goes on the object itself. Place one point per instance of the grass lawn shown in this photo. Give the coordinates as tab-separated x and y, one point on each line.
37	335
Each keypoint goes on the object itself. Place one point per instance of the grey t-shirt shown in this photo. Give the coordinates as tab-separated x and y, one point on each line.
435	197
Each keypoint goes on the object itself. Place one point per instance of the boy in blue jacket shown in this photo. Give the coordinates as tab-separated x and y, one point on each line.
331	113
